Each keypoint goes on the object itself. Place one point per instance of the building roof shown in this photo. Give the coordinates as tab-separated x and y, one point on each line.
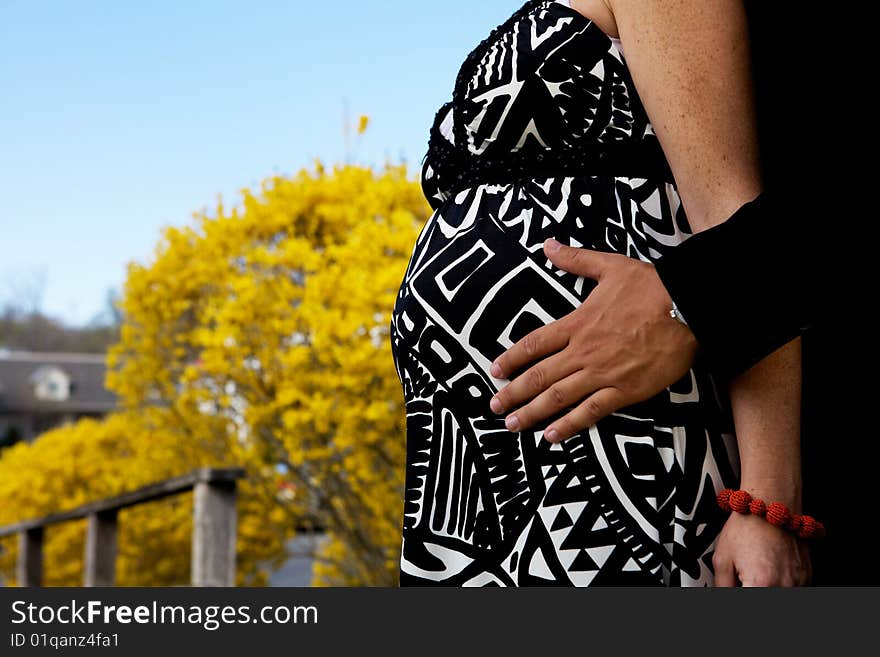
85	371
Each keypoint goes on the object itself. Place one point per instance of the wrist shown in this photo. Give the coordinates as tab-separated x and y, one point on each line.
671	309
776	513
675	313
784	490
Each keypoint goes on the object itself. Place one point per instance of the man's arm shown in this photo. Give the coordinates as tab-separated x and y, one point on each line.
742	283
751	294
690	61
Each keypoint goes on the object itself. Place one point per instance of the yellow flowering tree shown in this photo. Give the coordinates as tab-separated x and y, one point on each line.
256	336
92	459
268	324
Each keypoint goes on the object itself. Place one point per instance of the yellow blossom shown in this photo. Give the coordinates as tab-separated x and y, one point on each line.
247	340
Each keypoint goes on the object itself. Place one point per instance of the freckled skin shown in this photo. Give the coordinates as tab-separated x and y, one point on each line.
690	61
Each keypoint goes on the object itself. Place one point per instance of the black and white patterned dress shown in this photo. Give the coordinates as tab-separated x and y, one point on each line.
548	139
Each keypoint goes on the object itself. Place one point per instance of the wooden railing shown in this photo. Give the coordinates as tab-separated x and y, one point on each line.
214	529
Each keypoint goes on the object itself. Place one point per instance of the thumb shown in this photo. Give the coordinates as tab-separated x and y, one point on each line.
576	260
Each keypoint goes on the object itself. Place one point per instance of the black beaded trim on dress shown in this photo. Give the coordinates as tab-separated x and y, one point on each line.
642	159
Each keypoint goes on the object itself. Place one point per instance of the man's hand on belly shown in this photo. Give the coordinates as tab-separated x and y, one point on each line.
620	347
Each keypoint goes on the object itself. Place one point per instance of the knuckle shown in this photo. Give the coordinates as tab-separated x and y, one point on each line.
530	345
597	366
556	396
536	378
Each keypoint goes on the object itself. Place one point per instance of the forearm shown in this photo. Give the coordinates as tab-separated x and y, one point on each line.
741	280
744	286
766	403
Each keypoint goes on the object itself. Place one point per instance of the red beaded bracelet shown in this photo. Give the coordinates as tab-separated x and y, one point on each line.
775	513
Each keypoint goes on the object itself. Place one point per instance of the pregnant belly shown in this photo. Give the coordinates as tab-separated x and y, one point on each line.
473	288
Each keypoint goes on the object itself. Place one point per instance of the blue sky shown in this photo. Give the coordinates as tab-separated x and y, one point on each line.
120	117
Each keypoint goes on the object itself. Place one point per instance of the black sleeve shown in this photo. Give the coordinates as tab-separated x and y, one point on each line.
743	286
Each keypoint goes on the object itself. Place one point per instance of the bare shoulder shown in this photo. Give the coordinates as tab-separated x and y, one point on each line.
690	61
685	13
600	12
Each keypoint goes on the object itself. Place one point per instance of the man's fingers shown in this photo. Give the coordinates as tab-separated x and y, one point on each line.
540	342
600	404
577	260
559	395
534	381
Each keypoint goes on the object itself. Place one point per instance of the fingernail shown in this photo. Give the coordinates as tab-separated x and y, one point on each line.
495	370
552	435
495	405
553	245
512	423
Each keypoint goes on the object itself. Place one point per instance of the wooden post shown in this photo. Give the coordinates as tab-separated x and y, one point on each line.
214	532
101	542
214	529
30	557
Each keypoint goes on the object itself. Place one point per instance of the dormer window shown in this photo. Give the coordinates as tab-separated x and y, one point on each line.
51	384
